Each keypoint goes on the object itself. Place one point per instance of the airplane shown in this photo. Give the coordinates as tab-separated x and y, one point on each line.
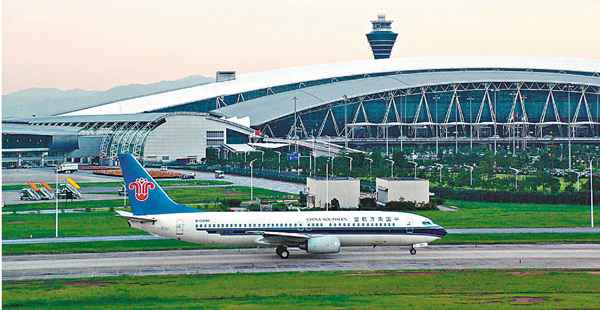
316	232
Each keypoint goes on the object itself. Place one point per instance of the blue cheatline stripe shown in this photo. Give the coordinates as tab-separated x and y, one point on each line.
396	231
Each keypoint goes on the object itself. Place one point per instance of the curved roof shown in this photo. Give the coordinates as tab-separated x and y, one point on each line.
267	79
282	104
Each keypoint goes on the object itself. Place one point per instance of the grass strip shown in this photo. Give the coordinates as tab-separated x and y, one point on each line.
438	289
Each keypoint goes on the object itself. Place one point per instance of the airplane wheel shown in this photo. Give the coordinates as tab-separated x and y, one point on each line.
413	251
282	252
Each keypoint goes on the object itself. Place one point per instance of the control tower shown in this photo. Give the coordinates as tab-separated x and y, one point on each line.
382	38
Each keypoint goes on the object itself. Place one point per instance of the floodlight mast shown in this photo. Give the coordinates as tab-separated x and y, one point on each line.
591	194
370	171
516	172
350	161
391	167
470	174
252	179
414	163
440	168
279	163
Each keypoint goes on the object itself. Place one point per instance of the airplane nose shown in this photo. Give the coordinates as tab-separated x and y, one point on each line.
442	232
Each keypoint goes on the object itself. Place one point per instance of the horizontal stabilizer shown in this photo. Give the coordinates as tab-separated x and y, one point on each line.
136	218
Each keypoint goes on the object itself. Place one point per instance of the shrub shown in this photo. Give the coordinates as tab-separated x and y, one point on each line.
367	204
233	202
400	206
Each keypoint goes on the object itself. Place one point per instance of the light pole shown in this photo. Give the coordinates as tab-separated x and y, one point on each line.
262	159
387	139
370	162
391	167
327	186
279	162
252	179
591	194
414	163
350	161
579	174
437	126
440	168
516	172
56	196
470	174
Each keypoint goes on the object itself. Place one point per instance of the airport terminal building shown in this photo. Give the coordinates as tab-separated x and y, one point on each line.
448	100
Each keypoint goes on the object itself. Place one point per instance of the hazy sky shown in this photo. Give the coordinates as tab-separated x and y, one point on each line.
96	45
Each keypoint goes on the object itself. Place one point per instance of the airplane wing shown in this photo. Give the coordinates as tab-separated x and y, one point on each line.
136	218
283	238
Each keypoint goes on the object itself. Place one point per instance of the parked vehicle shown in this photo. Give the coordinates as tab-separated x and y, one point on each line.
67	168
189	175
219	174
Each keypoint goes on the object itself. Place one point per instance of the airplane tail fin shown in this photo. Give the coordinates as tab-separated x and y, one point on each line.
145	195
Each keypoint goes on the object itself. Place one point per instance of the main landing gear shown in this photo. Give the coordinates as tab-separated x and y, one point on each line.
282	252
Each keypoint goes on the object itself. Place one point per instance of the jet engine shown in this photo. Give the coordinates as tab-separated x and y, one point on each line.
322	245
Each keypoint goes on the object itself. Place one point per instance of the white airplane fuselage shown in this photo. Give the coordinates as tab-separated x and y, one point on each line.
353	228
317	232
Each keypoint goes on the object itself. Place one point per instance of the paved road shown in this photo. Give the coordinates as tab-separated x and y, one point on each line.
18	176
265	260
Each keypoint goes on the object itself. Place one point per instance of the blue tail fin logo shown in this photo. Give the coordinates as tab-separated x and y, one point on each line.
146	197
141	187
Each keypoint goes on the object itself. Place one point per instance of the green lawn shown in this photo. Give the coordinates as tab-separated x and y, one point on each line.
86	224
472	289
510	215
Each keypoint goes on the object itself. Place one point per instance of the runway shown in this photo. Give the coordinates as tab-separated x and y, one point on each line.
249	260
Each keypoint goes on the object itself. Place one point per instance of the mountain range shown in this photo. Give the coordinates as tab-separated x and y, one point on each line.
52	101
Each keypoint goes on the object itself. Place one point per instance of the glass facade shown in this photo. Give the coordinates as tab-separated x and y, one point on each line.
534	110
23	141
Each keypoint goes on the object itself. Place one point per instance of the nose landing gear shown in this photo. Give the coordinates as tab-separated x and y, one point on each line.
413	251
282	252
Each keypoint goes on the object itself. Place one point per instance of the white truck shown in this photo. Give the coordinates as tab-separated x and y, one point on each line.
67	168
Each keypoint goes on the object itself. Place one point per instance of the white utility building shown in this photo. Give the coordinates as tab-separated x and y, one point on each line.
322	191
408	189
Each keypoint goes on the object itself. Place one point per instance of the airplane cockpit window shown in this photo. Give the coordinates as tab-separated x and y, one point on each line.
427	223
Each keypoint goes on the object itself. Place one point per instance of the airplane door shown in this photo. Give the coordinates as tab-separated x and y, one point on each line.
409	225
179	227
